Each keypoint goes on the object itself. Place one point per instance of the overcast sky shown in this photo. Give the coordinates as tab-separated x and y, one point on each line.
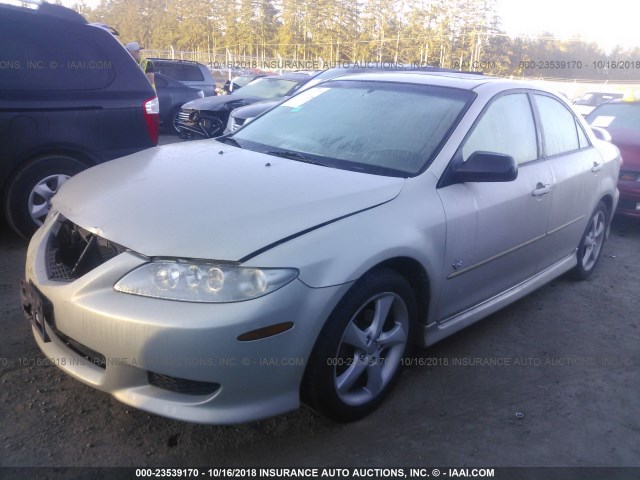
605	22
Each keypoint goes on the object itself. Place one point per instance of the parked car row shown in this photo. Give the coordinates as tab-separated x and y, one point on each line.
208	117
242	115
72	97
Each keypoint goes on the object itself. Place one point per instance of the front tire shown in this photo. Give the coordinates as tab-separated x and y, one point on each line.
359	354
174	127
591	243
28	195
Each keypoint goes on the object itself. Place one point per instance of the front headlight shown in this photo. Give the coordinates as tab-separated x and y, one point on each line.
202	281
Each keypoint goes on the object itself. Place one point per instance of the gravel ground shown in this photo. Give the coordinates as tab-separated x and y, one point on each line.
570	355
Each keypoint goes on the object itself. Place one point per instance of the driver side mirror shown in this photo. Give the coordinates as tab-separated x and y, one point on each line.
486	167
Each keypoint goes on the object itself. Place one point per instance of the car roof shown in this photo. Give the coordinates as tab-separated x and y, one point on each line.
597	92
621	101
45	9
466	81
179	61
291	76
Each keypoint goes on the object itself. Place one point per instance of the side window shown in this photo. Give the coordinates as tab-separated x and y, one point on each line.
582	138
165	68
193	74
559	128
180	71
507	127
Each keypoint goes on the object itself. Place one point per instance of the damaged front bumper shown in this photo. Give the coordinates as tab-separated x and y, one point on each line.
202	123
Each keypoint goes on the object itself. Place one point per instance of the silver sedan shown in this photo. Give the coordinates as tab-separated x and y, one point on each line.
301	257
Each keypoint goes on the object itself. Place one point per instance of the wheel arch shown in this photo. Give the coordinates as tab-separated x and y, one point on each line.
417	277
28	159
608	201
14	191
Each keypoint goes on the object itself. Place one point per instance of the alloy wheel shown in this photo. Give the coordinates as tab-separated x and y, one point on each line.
371	349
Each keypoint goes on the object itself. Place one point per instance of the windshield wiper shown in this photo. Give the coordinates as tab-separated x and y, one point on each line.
229	140
291	155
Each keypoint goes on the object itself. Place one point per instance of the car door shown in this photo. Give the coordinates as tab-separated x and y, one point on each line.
576	167
494	230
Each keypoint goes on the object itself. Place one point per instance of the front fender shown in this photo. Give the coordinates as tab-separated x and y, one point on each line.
412	226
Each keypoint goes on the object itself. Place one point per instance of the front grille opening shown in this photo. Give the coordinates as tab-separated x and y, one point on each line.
73	251
85	352
181	385
187	116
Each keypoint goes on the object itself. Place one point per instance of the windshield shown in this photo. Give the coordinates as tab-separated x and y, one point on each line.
242	81
616	116
267	88
385	128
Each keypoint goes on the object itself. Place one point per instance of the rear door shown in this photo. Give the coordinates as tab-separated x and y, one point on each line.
494	230
576	168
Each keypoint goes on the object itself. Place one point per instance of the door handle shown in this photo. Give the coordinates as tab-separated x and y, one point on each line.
596	167
541	189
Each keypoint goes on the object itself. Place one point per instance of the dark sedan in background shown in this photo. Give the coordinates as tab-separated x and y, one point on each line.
172	94
621	118
207	117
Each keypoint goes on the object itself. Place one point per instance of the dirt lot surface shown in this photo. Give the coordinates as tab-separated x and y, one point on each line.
570	363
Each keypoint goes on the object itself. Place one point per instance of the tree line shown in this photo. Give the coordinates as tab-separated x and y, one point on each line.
460	34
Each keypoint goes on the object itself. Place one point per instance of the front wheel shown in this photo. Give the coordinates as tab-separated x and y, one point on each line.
28	196
359	354
175	122
590	248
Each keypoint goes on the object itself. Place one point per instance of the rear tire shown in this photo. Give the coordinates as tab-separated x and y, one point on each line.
359	354
591	243
28	195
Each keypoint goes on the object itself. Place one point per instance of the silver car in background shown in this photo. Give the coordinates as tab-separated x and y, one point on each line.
300	258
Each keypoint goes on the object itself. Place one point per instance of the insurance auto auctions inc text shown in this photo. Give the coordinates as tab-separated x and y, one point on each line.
315	65
369	473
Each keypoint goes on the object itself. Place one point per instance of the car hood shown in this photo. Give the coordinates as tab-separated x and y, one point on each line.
221	103
208	200
628	141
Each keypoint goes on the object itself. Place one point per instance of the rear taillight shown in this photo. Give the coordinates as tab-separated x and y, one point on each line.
151	109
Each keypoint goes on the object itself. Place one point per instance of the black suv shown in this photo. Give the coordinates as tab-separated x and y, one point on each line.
192	74
71	97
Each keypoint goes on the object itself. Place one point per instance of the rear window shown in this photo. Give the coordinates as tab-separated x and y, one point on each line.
52	58
179	71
